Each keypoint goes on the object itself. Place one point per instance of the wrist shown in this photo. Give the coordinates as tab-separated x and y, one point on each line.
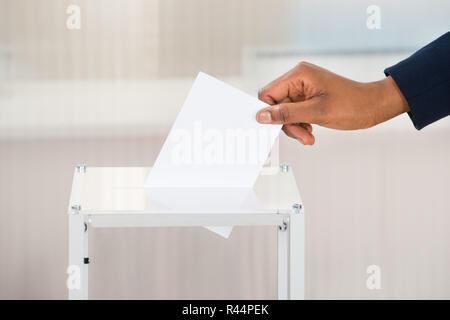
391	101
397	99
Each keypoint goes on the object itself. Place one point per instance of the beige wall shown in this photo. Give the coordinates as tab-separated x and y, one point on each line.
135	38
210	35
110	43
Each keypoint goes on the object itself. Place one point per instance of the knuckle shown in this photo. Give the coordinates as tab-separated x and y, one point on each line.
262	92
302	65
284	113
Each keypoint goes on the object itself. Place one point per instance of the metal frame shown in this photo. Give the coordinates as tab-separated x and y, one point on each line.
290	239
78	252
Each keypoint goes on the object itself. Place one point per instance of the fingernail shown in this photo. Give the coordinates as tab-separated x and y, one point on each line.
265	117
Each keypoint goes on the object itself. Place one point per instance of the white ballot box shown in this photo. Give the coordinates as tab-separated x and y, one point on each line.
108	197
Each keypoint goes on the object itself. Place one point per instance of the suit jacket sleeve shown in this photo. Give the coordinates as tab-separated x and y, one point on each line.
424	80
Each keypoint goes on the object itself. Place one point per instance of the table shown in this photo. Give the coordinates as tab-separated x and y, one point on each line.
108	197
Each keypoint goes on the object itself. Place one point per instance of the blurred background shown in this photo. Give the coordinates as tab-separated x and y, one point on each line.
107	93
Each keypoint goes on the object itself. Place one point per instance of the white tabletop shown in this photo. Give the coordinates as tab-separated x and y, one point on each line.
120	190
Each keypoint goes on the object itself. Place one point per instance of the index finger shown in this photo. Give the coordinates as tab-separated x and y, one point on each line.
279	89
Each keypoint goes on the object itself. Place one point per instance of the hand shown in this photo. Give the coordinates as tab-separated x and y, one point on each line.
308	94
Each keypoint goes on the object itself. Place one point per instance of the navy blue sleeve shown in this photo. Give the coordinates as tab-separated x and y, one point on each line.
424	80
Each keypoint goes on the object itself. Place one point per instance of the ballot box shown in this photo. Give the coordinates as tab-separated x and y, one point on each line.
109	197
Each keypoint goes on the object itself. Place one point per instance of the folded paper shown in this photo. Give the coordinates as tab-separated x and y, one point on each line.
214	151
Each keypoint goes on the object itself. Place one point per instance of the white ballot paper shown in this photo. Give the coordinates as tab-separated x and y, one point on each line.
214	152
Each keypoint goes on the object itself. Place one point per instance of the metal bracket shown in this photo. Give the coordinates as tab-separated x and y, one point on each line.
297	207
81	168
284	167
283	227
75	209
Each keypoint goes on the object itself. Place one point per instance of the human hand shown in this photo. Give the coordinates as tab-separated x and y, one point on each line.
309	94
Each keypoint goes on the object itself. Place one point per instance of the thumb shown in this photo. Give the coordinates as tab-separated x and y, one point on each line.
294	112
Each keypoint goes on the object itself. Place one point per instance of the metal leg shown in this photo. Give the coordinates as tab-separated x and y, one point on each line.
77	280
291	258
297	256
283	260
